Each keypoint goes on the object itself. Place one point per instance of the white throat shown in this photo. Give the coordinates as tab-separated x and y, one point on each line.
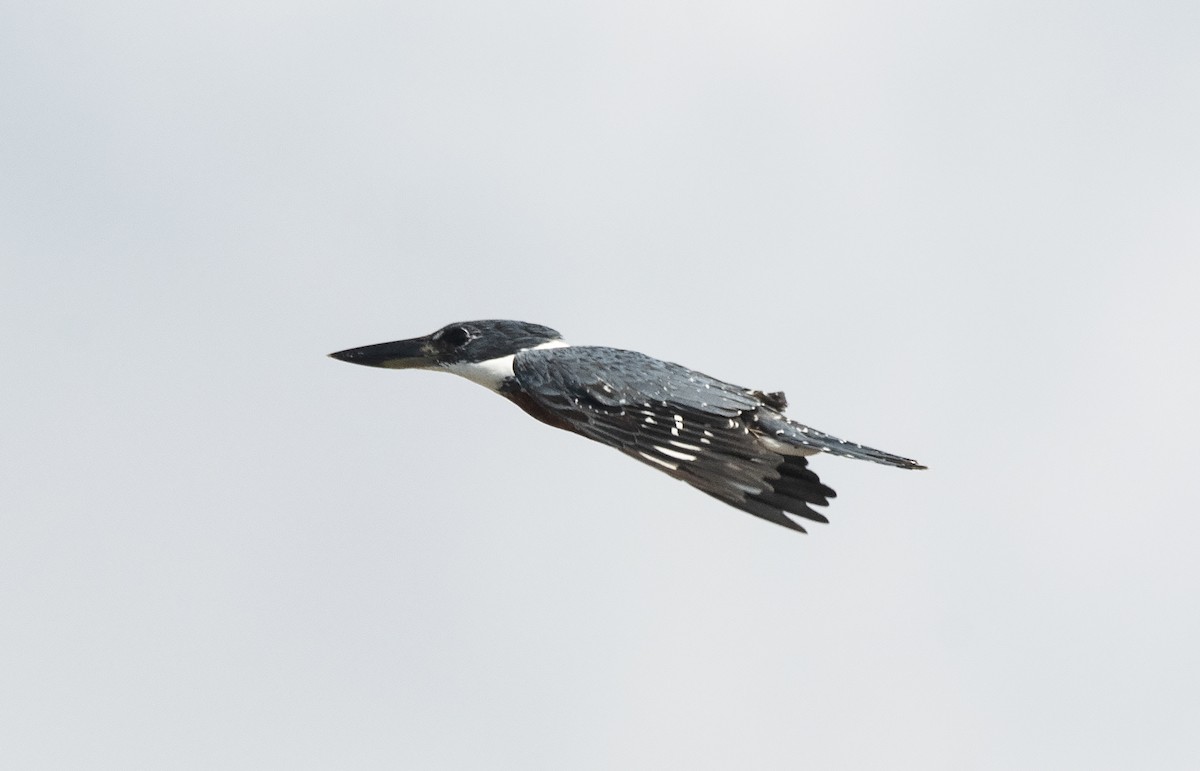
491	373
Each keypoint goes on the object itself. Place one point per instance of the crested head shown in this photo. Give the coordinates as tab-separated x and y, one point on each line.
474	341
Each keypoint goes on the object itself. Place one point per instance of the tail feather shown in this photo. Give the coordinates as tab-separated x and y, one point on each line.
806	441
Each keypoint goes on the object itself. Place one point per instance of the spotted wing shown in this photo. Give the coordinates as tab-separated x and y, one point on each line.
681	422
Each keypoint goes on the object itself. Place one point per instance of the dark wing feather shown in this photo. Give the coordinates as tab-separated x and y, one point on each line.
679	421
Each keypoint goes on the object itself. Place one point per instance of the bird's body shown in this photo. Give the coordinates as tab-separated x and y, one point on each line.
730	442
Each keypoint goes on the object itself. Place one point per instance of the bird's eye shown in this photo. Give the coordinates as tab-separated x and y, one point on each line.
457	336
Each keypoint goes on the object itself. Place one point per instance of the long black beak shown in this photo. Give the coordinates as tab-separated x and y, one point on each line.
417	353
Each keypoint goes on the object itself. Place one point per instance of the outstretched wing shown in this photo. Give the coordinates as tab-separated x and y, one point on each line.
679	421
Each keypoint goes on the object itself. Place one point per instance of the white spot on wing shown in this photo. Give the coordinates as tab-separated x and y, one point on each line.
684	446
659	461
674	453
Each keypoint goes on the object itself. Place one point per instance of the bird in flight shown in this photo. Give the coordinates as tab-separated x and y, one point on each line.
730	442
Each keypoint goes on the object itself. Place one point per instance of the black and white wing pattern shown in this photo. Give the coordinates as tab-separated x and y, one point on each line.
694	427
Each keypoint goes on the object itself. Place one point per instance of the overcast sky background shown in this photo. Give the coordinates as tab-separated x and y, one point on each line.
967	233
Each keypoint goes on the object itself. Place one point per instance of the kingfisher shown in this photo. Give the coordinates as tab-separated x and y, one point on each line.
730	442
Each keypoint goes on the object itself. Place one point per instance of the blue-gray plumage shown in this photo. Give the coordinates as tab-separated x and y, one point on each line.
730	442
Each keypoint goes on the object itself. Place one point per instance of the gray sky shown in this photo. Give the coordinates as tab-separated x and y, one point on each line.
965	233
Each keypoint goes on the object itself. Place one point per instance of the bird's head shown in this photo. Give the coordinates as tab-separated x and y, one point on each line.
464	343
